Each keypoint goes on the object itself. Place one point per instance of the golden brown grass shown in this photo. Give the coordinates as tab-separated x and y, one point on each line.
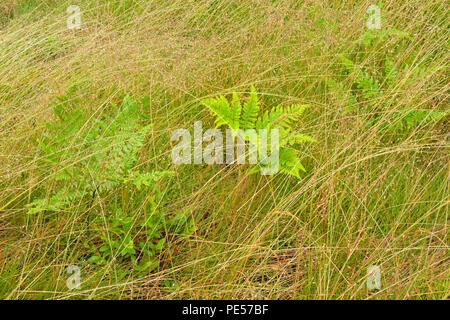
363	201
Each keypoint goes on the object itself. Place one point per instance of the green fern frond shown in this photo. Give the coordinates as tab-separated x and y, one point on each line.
390	71
369	85
299	138
290	162
108	150
414	118
370	37
147	179
221	109
236	109
56	202
250	111
348	64
281	118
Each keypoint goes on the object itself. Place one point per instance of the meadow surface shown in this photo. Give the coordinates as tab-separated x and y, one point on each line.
87	179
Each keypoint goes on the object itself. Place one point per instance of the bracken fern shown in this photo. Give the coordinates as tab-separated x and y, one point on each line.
105	151
238	117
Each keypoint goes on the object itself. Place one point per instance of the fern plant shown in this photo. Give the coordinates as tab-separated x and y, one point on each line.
238	117
89	159
367	83
368	87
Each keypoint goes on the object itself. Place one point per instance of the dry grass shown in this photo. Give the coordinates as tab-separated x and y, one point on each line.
363	200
